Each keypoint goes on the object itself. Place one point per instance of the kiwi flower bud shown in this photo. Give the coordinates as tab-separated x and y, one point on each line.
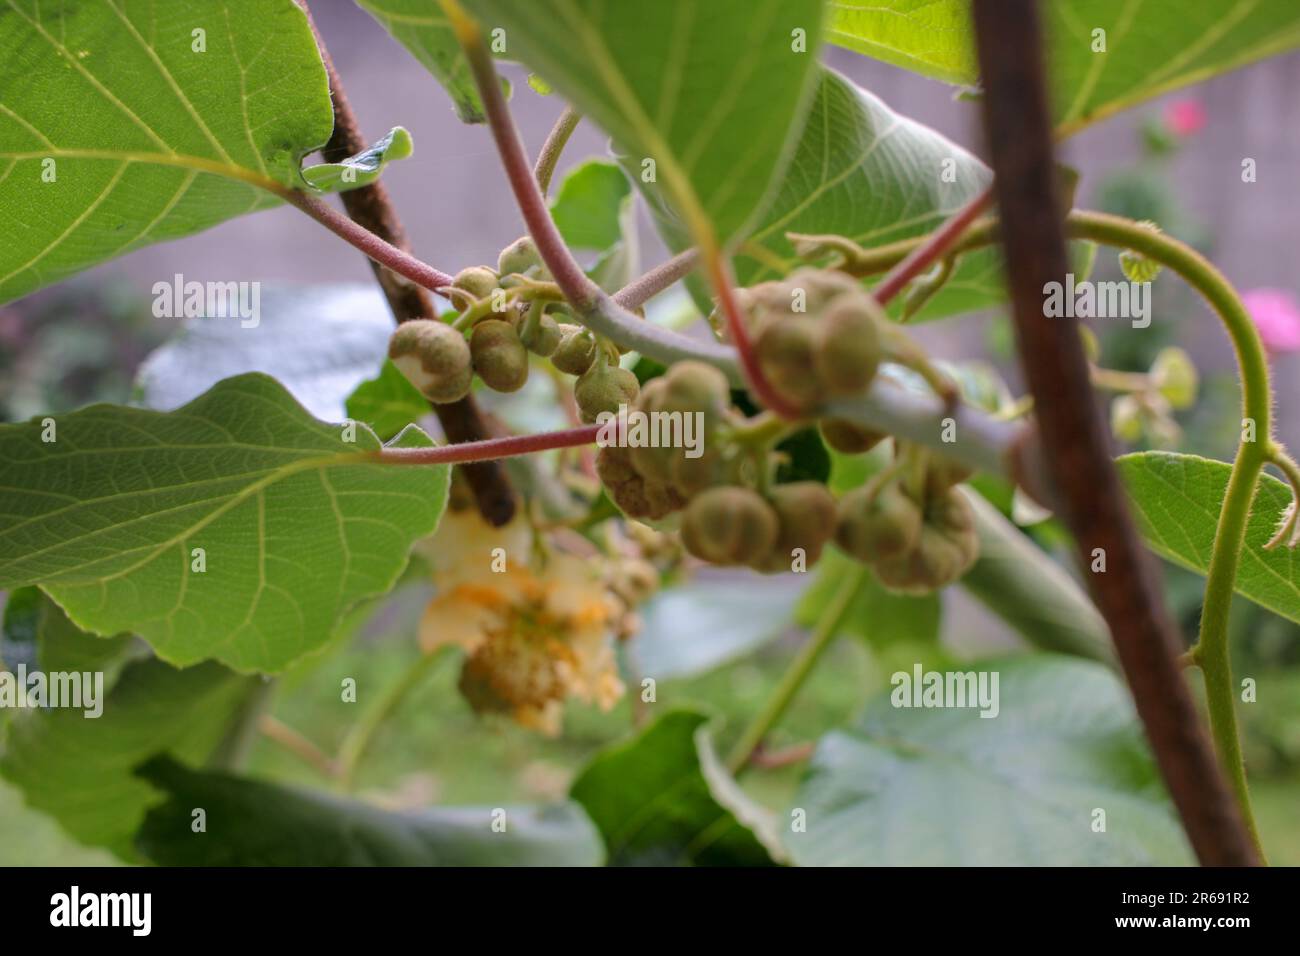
434	357
730	525
500	359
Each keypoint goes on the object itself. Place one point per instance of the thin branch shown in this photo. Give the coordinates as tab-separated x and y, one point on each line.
297	744
371	208
380	250
1074	438
553	147
935	245
640	291
490	449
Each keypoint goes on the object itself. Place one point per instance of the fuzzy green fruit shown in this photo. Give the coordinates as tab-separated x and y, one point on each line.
878	527
848	344
520	256
604	388
500	359
576	351
478	281
729	526
434	357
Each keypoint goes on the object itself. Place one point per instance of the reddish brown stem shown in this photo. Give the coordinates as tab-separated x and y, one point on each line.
759	386
371	209
939	241
490	449
581	292
1075	443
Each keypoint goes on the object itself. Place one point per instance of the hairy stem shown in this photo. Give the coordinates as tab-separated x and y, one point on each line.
931	248
490	449
553	147
640	291
828	625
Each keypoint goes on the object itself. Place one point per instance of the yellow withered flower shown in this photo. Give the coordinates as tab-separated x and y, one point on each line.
536	631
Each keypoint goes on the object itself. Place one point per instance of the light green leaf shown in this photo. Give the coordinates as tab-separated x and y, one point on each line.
945	787
116	133
251	823
388	402
1177	499
661	799
78	770
295	523
710	621
711	92
318	341
421	27
363	168
588	204
881	617
594	210
862	171
1150	47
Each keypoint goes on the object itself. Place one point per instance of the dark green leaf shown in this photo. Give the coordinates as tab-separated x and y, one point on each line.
660	799
251	823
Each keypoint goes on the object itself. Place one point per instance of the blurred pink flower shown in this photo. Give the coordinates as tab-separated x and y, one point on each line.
1185	117
1277	316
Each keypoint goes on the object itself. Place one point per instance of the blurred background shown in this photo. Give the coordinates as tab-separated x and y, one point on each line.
1176	161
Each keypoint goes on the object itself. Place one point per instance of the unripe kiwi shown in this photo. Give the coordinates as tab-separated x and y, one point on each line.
636	496
786	352
576	351
500	359
848	437
543	338
692	386
848	343
729	525
880	526
434	357
604	388
806	513
520	256
478	281
690	476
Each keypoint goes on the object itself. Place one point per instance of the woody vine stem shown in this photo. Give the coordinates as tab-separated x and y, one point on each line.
987	444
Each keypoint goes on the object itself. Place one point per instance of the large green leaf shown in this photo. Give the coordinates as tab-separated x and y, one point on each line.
862	171
1177	499
252	823
149	139
711	91
421	27
319	341
661	799
296	523
945	786
710	621
1151	46
78	770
